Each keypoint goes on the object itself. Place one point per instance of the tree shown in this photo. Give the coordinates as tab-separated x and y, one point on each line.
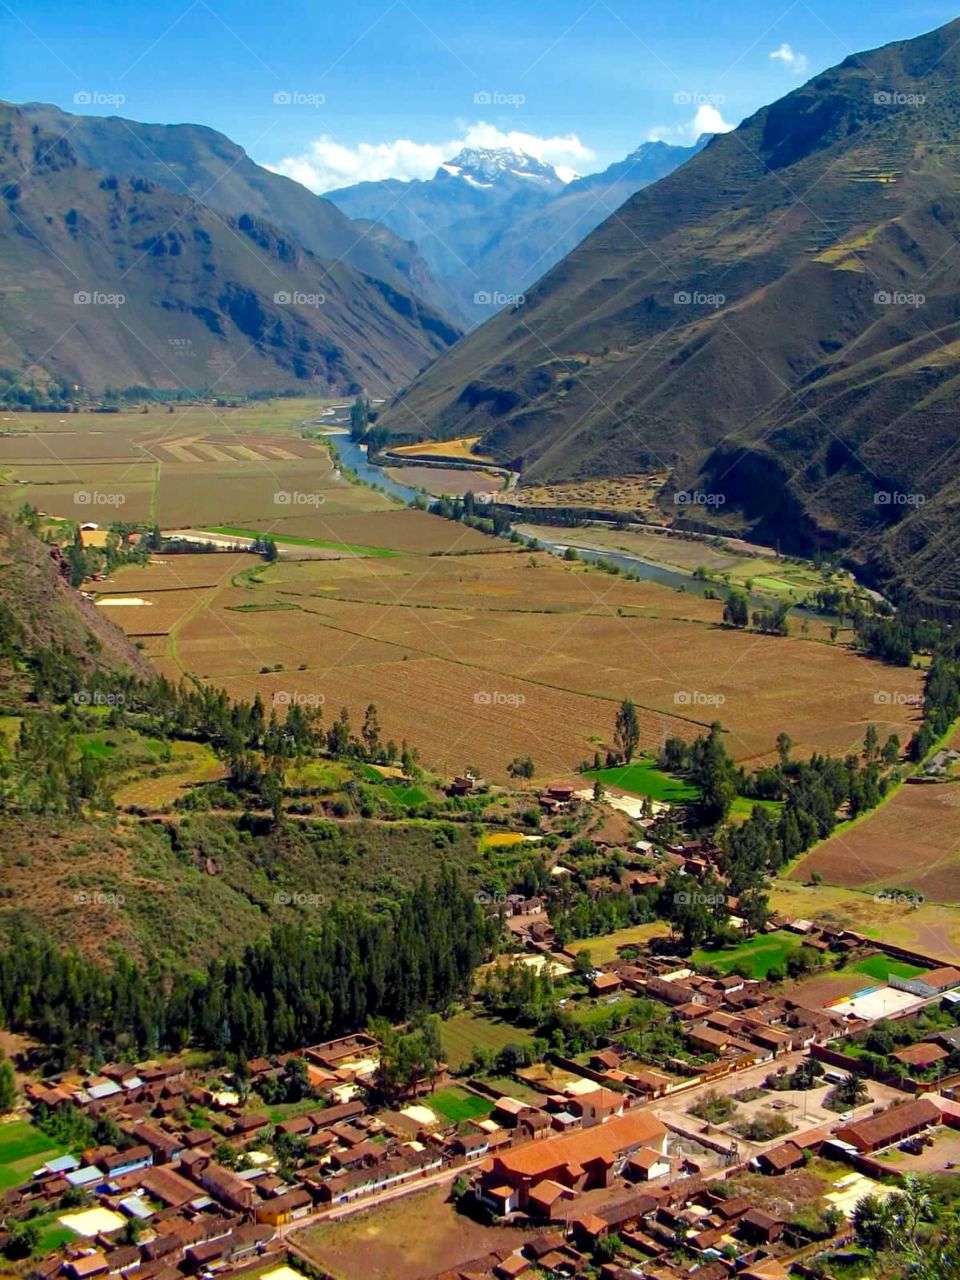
598	790
521	767
736	611
851	1091
359	418
23	1240
8	1085
784	743
626	731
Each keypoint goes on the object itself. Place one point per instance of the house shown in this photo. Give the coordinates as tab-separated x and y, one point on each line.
604	984
646	1164
86	1265
581	1159
120	1162
285	1208
781	1159
547	1199
166	1147
167	1186
226	1187
759	1227
933	982
892	1125
919	1057
596	1106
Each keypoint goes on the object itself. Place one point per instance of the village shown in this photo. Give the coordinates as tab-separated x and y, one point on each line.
598	1159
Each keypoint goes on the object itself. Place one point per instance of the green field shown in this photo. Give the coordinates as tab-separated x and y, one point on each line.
465	1031
295	540
643	778
754	958
880	966
23	1148
457	1104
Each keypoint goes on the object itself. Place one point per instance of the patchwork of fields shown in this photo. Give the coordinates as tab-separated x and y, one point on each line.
473	649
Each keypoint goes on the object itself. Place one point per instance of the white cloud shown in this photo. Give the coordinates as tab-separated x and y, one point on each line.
708	118
796	63
328	164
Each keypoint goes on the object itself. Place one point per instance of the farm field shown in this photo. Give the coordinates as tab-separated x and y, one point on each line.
452	481
607	947
643	778
466	1031
627	493
391	1242
736	562
456	1104
912	842
464	448
194	465
753	958
23	1148
516	647
931	929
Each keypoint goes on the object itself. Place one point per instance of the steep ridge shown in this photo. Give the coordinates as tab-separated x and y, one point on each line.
109	281
775	321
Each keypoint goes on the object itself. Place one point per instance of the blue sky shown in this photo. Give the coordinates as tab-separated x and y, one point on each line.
387	88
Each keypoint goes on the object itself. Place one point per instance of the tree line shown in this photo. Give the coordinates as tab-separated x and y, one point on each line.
298	985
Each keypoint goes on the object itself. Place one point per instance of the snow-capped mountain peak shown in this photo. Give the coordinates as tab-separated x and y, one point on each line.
484	167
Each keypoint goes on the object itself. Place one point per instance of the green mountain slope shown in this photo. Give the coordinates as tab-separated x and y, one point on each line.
775	322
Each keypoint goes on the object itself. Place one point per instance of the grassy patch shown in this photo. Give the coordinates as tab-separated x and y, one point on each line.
753	958
465	1031
643	778
457	1104
23	1148
880	966
295	540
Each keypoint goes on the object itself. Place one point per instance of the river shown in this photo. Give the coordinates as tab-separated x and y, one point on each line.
353	457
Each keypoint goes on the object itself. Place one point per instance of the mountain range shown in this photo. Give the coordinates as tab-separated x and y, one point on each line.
490	222
776	323
161	255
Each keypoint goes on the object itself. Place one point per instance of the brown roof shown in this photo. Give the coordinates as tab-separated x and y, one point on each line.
601	1142
890	1125
920	1055
783	1157
168	1186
